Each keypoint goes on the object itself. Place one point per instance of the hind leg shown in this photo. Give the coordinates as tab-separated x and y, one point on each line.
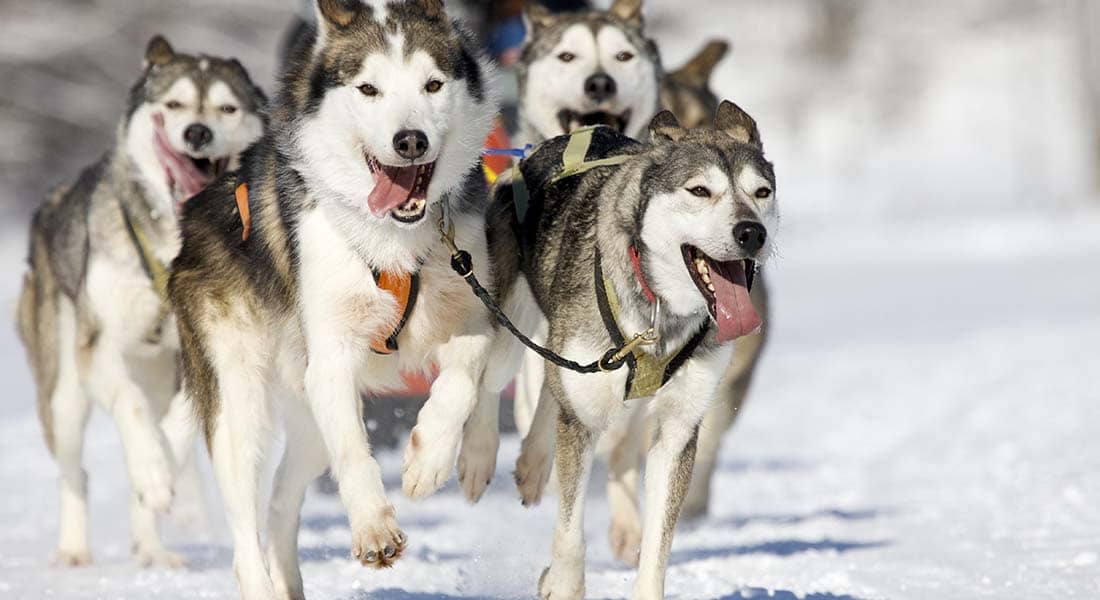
303	461
146	546
241	430
70	409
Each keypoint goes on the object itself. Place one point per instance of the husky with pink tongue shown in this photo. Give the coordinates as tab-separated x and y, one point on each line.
93	315
334	281
669	239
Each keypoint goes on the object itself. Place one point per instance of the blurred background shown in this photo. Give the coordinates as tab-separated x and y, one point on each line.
924	422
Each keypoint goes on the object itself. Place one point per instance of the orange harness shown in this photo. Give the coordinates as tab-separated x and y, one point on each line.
403	286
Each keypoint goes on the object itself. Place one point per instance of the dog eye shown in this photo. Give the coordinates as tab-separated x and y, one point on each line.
433	86
228	109
368	90
624	56
173	105
566	57
762	192
700	191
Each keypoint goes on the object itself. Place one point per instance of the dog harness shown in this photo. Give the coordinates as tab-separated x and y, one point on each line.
403	286
646	373
154	269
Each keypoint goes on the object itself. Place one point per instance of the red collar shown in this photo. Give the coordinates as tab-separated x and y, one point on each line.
636	260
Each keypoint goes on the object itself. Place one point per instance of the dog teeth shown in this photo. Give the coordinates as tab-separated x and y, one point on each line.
706	278
710	286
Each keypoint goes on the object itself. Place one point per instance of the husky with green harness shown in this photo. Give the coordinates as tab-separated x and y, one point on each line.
647	248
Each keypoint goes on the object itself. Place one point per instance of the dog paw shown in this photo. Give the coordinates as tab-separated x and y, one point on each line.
477	462
626	542
554	586
157	556
71	558
379	543
532	472
152	481
429	459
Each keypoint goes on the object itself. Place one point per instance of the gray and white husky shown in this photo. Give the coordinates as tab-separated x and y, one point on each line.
593	67
292	302
665	240
90	316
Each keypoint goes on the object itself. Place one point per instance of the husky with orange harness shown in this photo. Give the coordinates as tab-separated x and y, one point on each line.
93	313
316	272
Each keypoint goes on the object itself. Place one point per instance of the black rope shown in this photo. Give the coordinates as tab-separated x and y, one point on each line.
463	265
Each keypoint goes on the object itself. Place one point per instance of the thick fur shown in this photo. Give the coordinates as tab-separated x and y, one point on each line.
283	320
645	202
548	86
89	316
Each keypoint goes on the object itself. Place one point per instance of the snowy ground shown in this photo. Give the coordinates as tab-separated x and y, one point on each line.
924	425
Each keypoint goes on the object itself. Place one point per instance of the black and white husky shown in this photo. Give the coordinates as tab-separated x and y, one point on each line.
667	240
317	271
90	315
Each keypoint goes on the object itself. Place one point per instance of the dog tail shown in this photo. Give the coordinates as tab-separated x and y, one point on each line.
37	322
698	69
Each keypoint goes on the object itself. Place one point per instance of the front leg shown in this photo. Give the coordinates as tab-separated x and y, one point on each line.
564	578
678	409
430	454
337	407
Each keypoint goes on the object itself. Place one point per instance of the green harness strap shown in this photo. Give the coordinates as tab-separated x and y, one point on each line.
153	267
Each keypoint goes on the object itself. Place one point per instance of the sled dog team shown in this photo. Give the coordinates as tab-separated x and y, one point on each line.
233	258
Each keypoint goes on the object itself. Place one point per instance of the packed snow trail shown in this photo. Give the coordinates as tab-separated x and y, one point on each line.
923	425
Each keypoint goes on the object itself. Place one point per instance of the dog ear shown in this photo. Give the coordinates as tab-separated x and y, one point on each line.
433	9
737	124
158	52
665	128
698	69
336	13
628	10
535	17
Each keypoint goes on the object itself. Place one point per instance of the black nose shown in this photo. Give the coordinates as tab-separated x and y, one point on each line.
599	87
197	135
410	143
750	235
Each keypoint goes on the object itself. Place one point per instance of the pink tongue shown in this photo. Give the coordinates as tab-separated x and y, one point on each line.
734	311
188	179
392	188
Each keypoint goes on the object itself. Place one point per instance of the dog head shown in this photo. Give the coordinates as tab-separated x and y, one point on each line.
189	119
686	91
587	68
707	215
391	107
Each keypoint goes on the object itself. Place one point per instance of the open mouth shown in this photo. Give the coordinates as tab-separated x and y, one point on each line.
402	192
186	175
571	121
725	286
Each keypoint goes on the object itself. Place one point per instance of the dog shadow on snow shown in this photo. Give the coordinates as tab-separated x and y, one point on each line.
399	594
761	593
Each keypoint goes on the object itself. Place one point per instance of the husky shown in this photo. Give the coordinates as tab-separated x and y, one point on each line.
593	41
90	316
317	271
664	243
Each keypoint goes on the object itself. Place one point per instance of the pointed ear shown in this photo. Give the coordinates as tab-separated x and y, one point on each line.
737	124
664	127
698	69
628	10
535	17
158	51
336	14
433	9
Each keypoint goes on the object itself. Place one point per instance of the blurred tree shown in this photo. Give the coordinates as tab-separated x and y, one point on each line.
1086	17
